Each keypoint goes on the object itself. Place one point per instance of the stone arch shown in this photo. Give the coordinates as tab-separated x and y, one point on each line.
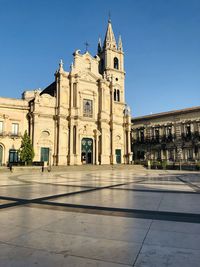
116	63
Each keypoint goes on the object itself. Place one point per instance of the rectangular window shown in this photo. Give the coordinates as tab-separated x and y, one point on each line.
1	127
171	154
188	130
15	128
157	133
142	135
87	108
169	130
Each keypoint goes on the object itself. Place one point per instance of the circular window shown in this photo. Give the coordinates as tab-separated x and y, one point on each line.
45	134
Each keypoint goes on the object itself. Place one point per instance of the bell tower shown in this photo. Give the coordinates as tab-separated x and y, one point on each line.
111	63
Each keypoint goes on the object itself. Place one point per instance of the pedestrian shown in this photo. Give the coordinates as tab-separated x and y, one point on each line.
10	167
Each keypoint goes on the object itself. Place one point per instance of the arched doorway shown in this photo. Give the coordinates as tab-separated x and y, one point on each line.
1	155
87	151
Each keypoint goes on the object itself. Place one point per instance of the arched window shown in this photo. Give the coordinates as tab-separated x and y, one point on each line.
115	96
45	134
116	63
118	95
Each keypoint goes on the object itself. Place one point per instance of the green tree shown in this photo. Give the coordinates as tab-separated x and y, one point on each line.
26	151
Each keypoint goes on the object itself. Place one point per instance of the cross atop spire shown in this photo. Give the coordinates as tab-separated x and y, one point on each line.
61	66
109	16
109	41
86	46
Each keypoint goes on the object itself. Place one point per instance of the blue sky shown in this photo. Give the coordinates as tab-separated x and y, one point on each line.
161	39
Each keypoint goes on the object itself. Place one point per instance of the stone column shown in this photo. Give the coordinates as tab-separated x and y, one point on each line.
96	138
162	154
112	152
71	143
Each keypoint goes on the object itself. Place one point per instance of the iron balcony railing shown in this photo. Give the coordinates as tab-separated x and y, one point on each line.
162	139
11	134
191	136
155	139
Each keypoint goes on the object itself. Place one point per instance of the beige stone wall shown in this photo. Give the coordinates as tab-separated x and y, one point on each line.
12	111
42	124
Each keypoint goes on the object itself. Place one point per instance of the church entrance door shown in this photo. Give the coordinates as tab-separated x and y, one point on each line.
118	156
87	151
44	154
13	156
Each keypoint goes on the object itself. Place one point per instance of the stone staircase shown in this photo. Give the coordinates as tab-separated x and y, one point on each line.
119	167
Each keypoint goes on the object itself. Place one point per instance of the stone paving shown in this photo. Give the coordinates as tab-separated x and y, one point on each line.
112	218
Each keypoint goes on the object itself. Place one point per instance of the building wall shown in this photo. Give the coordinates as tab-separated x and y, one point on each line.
12	111
42	123
172	136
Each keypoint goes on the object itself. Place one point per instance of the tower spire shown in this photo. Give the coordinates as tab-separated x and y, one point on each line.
120	46
61	66
109	41
99	48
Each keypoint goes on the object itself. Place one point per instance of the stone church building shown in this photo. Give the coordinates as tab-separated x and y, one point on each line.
80	118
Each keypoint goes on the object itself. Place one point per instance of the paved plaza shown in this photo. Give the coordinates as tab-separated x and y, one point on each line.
116	217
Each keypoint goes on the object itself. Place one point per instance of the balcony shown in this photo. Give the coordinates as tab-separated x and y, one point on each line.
162	139
14	135
191	136
10	134
168	138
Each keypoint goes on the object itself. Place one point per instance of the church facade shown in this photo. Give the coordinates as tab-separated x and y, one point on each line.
81	118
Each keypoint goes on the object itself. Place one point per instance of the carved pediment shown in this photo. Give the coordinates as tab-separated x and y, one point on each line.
90	92
46	100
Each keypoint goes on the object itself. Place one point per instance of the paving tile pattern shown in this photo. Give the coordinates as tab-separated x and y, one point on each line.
110	218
